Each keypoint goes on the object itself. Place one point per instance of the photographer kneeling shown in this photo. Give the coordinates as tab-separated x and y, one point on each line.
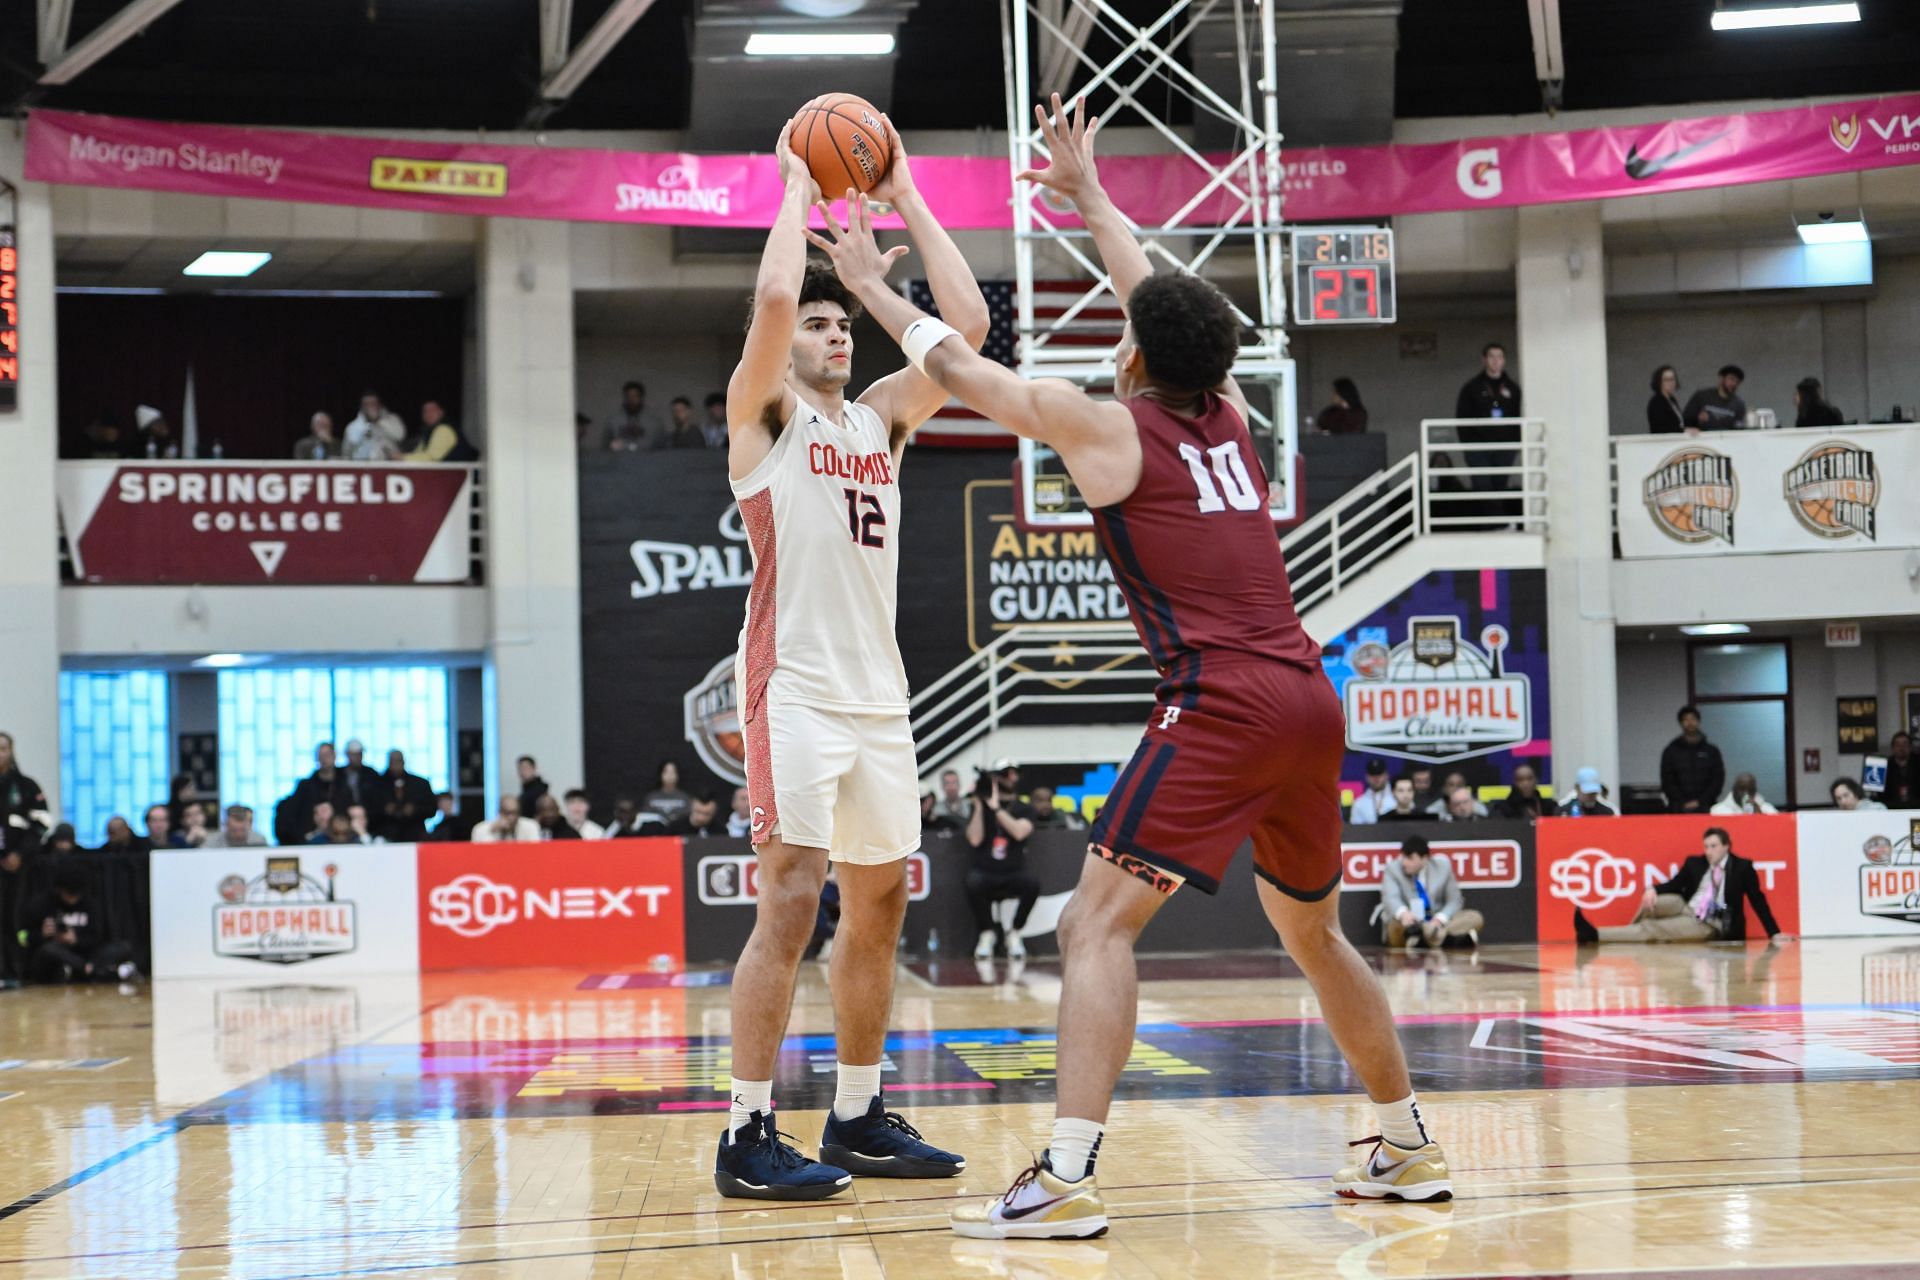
997	831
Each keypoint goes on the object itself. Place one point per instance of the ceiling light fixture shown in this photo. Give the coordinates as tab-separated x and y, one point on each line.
220	660
1716	629
824	44
226	262
1783	15
1852	231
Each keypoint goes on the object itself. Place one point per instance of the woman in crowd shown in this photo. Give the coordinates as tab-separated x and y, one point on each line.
667	799
1663	411
1346	415
1813	406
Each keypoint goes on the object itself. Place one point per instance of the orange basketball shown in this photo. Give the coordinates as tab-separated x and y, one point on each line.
843	142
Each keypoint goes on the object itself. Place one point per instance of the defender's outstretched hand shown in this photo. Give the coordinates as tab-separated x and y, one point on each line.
1070	170
857	257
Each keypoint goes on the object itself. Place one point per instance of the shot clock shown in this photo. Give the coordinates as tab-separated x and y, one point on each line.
1343	275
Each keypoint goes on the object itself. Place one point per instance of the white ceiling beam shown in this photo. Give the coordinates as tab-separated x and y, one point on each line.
556	25
105	38
56	17
595	46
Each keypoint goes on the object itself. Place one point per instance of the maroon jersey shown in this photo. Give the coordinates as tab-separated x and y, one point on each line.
1193	546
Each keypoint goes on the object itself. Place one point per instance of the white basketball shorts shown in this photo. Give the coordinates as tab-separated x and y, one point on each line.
832	780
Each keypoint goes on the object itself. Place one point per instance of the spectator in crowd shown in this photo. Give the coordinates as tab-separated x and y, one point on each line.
1704	901
1455	782
1744	798
1719	407
1404	809
357	777
1462	806
1588	796
181	796
68	939
714	426
629	820
160	834
441	440
376	434
362	827
1903	773
1524	803
451	828
405	802
1049	816
13	892
237	832
1423	793
532	785
740	817
60	843
1420	900
578	806
24	815
510	825
156	439
120	837
666	798
1814	411
323	815
193	833
1377	797
551	819
1848	796
631	426
952	807
997	833
1346	415
320	444
105	441
339	830
323	785
702	818
1489	394
683	432
1692	774
1664	415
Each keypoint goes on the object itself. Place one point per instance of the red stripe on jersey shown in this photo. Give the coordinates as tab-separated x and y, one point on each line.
756	513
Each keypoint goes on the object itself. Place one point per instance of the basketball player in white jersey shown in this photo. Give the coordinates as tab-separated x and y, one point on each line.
822	691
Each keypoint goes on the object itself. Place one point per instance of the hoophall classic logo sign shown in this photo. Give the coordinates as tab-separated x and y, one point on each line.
1692	495
1435	696
1890	880
282	916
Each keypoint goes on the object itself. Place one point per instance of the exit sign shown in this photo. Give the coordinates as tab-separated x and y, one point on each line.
1843	635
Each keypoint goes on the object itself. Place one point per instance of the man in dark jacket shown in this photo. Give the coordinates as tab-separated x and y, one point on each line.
1489	394
1524	802
1903	774
325	785
404	803
1705	901
1692	774
23	805
1719	407
68	939
364	786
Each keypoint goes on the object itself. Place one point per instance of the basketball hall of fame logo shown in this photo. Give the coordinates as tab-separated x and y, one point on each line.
713	723
1692	495
1890	878
1834	490
1435	696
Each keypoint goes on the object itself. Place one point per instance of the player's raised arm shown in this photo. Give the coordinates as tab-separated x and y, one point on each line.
908	398
757	393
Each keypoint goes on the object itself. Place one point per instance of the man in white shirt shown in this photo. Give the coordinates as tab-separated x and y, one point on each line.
509	826
740	820
1376	799
578	804
376	435
1439	808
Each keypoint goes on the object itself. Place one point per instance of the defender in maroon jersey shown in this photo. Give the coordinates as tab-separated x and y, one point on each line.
1246	734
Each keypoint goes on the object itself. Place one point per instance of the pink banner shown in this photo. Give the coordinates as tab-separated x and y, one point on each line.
680	189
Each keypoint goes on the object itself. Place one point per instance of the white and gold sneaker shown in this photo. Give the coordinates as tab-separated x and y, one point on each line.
1395	1173
1038	1206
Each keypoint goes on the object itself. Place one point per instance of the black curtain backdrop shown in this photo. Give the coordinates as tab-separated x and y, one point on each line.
261	366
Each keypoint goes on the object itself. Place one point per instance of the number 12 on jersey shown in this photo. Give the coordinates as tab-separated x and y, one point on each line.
1231	470
868	528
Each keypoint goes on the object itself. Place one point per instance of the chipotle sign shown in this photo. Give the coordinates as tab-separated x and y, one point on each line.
250	523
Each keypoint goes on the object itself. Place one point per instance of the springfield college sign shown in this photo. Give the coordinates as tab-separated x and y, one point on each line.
247	523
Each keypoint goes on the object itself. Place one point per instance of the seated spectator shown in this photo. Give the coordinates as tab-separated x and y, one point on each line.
1455	781
24	815
630	820
1524	801
67	940
1848	796
630	426
667	799
997	833
578	806
238	832
1420	900
532	785
120	837
1423	793
1376	799
952	807
193	834
60	841
320	444
160	835
376	434
1703	902
105	441
701	819
1664	415
714	427
339	830
1588	796
683	432
552	820
1814	411
1719	407
1691	770
1744	798
405	802
1462	807
1346	415
318	832
1903	774
1048	815
440	439
510	825
156	438
740	816
451	828
362	829
1403	809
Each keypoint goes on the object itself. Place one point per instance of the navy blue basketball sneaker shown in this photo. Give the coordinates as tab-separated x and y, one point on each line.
756	1165
881	1144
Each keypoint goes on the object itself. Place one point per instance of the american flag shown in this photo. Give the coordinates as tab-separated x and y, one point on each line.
1097	326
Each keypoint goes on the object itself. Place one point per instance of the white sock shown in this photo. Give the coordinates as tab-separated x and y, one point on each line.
1075	1146
855	1088
749	1096
1400	1123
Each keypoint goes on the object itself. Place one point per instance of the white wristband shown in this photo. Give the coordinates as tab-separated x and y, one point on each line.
922	336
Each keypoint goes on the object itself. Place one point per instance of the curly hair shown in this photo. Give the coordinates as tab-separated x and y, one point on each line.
820	284
1186	329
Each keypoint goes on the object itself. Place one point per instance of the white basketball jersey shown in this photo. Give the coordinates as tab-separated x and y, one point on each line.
822	513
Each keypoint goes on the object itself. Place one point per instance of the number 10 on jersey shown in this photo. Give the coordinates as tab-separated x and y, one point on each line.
866	522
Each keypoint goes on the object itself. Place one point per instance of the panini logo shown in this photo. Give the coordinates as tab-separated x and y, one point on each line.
1834	490
1692	495
438	177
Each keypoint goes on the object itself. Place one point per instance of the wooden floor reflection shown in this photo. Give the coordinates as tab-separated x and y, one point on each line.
1640	1111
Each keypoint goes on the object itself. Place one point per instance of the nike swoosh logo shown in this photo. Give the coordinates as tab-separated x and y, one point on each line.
1640	167
1030	1210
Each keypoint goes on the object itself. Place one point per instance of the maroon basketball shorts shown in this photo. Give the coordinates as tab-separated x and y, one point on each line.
1237	746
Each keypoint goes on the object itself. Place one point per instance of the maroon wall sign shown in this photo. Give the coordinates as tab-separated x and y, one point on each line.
253	523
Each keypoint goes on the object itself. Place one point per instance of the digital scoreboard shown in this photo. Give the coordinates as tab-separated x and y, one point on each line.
9	322
1343	275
